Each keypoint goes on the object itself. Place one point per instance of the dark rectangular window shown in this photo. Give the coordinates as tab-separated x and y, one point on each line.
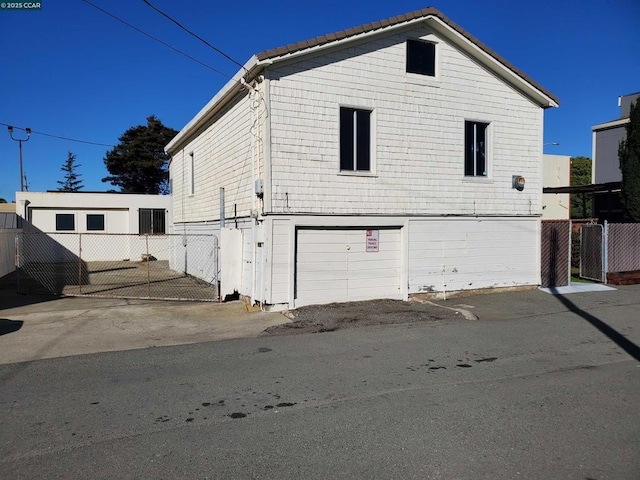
65	221
355	139
421	57
475	149
95	221
151	220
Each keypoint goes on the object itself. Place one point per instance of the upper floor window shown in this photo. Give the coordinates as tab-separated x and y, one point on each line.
355	139
65	222
421	57
475	149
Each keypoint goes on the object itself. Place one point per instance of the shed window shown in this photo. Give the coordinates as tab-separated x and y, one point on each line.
95	221
151	220
65	222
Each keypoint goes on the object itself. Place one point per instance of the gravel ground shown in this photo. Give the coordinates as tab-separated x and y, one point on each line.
339	316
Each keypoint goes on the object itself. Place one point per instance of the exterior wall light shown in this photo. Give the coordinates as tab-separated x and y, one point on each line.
517	182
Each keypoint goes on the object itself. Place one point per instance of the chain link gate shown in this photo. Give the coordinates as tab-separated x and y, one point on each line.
556	253
169	267
592	252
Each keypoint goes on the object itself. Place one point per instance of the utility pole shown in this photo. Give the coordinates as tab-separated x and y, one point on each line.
20	140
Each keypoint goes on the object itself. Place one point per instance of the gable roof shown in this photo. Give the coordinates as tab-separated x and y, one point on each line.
435	19
400	20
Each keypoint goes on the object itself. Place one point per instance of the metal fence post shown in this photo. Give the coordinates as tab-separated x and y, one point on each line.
569	249
80	262
17	262
146	237
605	251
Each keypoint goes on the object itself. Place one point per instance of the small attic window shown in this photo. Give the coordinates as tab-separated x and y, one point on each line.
421	57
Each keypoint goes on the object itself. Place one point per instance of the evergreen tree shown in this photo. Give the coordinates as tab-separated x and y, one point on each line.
629	156
580	175
71	182
139	164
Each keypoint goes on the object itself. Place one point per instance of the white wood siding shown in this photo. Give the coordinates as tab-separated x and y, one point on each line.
418	131
281	262
222	157
248	245
334	266
464	254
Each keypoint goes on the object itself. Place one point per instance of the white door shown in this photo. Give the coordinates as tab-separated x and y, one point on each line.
347	265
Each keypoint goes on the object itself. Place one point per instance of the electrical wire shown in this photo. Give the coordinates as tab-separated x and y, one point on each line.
193	34
156	39
59	137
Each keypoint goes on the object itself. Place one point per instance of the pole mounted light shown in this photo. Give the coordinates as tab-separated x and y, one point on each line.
20	140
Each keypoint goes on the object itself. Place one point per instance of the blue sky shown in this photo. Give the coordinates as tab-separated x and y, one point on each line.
72	71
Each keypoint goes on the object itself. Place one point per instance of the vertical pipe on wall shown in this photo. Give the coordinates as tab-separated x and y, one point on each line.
254	208
262	251
222	223
267	147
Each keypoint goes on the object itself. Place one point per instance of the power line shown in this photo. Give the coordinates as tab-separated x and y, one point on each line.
194	34
59	137
155	38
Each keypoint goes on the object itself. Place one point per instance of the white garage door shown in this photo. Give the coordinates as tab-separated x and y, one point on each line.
347	265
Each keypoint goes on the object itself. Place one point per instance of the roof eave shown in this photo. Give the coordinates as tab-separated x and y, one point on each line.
493	62
612	124
441	24
233	86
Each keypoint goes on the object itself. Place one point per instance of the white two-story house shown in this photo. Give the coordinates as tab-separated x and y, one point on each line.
390	159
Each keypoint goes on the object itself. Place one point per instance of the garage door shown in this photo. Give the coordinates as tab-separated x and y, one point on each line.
347	265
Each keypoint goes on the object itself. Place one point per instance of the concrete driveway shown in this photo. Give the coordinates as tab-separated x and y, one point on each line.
34	327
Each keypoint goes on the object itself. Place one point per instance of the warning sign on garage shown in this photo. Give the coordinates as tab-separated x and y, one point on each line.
373	240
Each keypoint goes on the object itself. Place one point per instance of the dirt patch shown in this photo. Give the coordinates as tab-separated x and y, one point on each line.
339	316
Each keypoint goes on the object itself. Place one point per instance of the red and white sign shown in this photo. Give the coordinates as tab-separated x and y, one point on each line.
373	240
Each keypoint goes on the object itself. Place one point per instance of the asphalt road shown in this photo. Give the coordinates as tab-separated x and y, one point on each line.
534	392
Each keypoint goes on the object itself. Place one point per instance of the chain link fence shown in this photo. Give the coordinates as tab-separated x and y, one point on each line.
592	252
176	267
623	247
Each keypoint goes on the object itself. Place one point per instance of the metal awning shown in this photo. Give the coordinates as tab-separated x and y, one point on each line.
593	188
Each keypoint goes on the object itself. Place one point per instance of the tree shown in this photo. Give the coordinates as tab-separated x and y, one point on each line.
71	182
629	156
580	175
2	200
139	164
